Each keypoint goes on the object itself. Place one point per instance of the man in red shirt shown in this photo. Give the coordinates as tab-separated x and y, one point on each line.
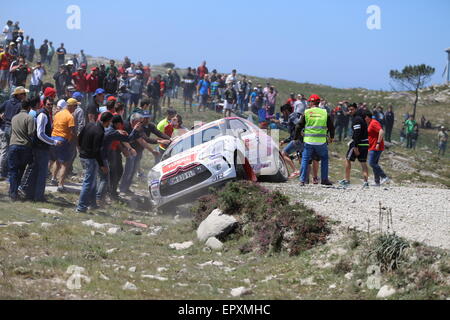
202	70
5	63
92	83
376	148
80	84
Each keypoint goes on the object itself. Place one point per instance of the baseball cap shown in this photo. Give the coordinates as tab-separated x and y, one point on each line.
83	65
138	72
62	104
49	92
99	91
94	68
77	95
313	98
72	102
145	114
111	98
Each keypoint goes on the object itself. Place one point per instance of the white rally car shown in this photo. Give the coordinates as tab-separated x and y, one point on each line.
211	155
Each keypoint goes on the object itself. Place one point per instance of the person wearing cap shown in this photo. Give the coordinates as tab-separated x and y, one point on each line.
5	63
91	142
291	101
37	79
20	153
317	126
442	141
61	54
8	110
93	109
136	88
63	130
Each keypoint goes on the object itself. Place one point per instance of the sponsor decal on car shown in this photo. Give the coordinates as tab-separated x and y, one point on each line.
179	163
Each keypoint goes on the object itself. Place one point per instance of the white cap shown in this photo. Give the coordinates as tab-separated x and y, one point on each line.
62	104
70	63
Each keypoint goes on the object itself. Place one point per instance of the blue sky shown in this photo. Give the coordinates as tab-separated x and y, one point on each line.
323	41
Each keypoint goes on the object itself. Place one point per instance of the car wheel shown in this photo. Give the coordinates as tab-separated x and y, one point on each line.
282	174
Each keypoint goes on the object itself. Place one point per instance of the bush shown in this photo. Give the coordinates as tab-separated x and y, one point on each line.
169	65
388	250
266	217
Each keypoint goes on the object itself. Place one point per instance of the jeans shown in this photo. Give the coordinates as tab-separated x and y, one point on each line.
89	189
34	186
130	170
409	140
322	151
103	183
18	159
116	170
374	158
5	136
340	129
389	133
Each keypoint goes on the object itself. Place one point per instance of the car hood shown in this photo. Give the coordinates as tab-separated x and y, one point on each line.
189	156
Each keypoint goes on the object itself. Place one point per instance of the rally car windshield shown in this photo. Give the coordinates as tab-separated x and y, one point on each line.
193	140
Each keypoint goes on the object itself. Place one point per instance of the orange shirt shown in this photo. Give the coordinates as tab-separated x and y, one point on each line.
63	123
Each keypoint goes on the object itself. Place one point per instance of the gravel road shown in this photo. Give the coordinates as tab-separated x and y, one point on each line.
419	214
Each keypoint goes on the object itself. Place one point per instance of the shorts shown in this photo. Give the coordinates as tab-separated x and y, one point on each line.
4	75
292	147
227	105
363	153
62	153
188	94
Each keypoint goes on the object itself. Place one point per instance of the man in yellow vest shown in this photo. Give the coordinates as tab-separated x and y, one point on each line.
317	125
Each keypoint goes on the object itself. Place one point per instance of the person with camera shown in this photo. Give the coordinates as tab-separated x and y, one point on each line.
19	73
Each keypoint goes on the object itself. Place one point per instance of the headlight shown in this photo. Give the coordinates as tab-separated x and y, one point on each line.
216	149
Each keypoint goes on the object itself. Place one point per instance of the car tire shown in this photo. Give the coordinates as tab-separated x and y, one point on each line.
282	174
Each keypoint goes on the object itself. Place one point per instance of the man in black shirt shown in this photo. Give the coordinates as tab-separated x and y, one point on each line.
358	147
90	142
390	119
93	109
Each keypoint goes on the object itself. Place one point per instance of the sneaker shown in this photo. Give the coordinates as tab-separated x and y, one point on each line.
315	180
327	183
302	184
54	182
366	185
61	189
80	211
385	180
344	183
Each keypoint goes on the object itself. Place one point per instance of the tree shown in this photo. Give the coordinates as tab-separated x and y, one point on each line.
413	78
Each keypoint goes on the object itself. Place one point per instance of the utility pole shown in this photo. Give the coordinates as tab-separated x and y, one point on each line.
448	65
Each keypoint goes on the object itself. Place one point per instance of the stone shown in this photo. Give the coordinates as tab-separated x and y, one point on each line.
385	292
103	277
149	276
129	286
308	282
349	276
46	225
181	246
111	250
216	224
333	286
132	269
214	243
161	269
211	263
49	211
241	291
113	230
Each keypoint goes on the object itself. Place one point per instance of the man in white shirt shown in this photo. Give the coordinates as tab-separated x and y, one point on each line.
300	105
37	78
8	31
231	78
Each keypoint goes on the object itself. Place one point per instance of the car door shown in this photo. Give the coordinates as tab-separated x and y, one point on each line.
250	140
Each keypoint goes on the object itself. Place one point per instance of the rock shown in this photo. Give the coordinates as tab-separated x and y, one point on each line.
214	244
385	292
181	246
49	211
135	231
97	233
349	276
247	281
95	225
241	291
103	277
111	250
333	286
149	276
45	225
129	286
132	269
211	263
113	230
359	283
308	282
216	224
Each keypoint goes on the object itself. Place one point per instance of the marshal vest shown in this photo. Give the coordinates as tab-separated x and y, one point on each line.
38	143
316	126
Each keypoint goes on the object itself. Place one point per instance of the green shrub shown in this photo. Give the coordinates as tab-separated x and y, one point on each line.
266	217
388	250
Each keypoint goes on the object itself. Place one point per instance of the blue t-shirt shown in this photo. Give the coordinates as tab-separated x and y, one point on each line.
204	86
262	115
253	96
